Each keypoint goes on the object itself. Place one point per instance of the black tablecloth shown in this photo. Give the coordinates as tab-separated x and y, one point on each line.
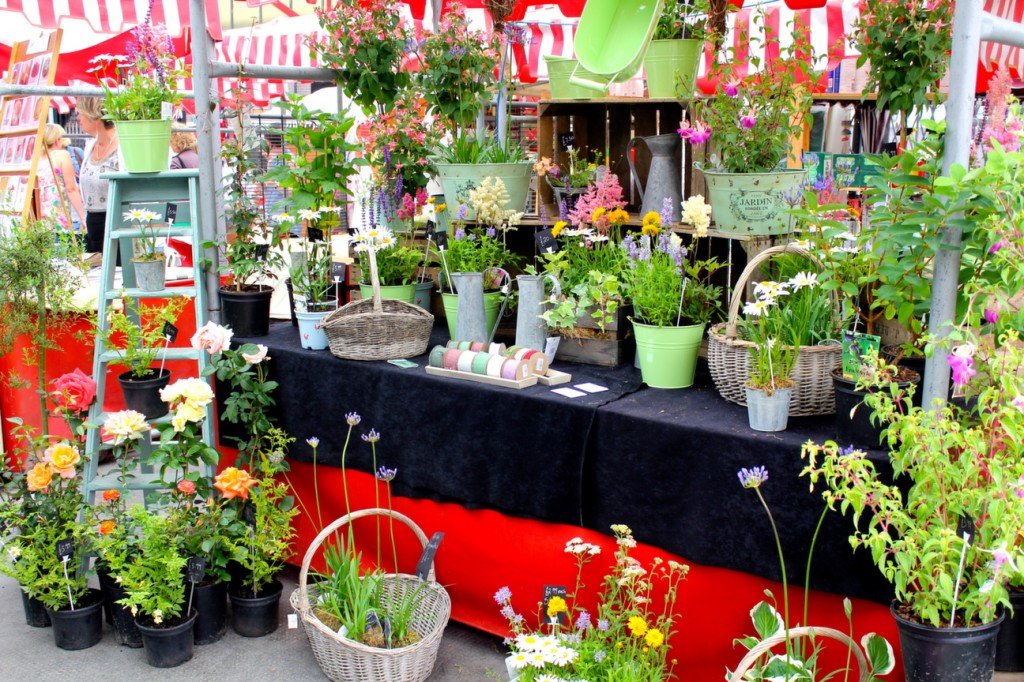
662	462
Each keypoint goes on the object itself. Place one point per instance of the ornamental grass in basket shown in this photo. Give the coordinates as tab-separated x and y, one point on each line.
364	622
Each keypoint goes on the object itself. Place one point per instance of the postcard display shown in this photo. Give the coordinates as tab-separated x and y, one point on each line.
22	122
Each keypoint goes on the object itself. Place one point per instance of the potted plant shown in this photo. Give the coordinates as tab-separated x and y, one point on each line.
673	298
135	335
670	64
946	532
624	636
397	266
44	539
250	249
773	353
313	285
567	183
469	157
749	123
479	250
143	97
38	285
147	261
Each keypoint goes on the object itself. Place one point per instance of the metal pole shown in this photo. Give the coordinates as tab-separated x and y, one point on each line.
208	141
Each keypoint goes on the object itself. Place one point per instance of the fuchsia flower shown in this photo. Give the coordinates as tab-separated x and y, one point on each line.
748	120
732	87
962	368
700	133
991	316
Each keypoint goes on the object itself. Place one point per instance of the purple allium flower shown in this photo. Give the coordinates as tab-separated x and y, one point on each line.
603	624
991	316
962	368
503	595
386	474
583	620
752	478
372	436
353	418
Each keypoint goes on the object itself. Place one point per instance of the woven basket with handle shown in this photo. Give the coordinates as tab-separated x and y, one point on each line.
765	647
346	660
729	355
376	329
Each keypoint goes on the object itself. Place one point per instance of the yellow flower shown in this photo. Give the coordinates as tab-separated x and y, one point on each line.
654	638
652	218
440	207
618	217
559	226
637	626
62	458
187	412
556	605
596	215
652	230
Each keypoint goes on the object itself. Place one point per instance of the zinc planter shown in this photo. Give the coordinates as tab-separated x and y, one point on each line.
150	275
145	145
459	179
768	412
751	203
492	303
947	654
668	355
424	294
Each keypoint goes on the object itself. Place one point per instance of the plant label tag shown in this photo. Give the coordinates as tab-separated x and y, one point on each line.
293	621
441	239
171	213
546	242
170	332
431	229
427	558
261	251
337	272
65	549
196	568
567	141
386	626
249	514
965	529
856	346
403	363
166	111
550	592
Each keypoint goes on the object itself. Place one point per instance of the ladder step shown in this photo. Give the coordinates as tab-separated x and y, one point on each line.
166	292
135	232
165	353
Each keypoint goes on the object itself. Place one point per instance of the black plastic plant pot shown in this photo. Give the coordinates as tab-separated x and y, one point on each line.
255	616
81	627
143	395
246	312
947	654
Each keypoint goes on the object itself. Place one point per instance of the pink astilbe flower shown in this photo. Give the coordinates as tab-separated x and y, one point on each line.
605	193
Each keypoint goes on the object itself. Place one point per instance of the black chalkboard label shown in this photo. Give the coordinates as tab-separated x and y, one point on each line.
338	272
427	557
171	213
567	141
65	549
551	591
249	514
441	239
196	568
965	529
546	242
431	229
261	251
170	332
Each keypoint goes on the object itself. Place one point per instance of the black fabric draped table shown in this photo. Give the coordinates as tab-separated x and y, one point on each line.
662	462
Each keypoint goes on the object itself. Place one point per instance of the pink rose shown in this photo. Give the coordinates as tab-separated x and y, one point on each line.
74	392
212	337
257	357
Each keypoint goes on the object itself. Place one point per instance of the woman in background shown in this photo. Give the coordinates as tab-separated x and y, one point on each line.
100	157
183	144
59	197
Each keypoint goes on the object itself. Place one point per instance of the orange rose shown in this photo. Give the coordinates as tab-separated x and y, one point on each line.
111	495
106	527
234	482
39	477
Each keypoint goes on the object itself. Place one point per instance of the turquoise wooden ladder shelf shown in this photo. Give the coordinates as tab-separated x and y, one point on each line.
154	191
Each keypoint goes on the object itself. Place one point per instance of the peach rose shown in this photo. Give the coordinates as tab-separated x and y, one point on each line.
111	495
62	458
234	482
39	477
257	357
213	337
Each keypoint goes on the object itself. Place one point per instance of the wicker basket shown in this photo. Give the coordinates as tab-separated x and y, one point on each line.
815	634
375	329
729	356
345	660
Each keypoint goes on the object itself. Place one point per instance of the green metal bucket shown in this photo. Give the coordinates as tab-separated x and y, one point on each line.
458	179
671	63
145	145
752	203
611	39
668	355
560	69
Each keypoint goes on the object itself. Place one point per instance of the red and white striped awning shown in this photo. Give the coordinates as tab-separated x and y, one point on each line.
111	17
993	54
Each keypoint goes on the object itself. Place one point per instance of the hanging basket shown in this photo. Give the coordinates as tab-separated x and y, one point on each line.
729	356
345	660
378	329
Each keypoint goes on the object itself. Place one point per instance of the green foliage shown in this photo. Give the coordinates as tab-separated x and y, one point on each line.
318	159
597	297
682	20
479	148
152	576
473	250
344	593
136	332
311	273
268	541
396	265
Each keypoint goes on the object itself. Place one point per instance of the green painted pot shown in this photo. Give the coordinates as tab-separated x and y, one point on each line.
400	292
752	203
559	71
492	303
459	179
669	63
145	145
668	355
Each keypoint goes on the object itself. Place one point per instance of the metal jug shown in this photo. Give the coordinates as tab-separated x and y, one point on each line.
470	325
531	330
664	180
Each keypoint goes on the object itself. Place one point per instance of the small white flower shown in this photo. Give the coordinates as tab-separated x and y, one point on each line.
804	279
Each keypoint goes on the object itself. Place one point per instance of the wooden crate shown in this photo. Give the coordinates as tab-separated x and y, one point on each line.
594	351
